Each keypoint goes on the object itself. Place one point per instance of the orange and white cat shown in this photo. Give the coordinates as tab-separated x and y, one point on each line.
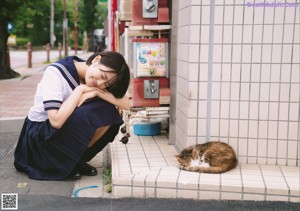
213	157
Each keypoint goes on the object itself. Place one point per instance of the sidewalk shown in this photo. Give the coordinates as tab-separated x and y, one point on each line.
146	166
17	94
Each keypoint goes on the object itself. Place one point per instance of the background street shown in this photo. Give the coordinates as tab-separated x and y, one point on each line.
19	58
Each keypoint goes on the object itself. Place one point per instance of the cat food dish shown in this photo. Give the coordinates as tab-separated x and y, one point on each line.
146	127
213	157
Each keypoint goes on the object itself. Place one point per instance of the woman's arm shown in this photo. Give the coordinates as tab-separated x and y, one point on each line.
80	94
58	117
122	103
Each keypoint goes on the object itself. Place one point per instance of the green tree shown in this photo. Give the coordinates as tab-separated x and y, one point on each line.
11	12
31	20
58	21
101	15
34	23
88	18
8	10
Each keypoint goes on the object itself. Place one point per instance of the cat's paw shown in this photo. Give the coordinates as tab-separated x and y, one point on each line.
181	167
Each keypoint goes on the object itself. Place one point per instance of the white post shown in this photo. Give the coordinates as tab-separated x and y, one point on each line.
109	20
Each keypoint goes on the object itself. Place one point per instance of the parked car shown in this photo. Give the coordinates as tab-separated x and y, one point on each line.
99	40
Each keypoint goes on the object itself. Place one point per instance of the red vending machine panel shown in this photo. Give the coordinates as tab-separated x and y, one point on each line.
151	72
138	93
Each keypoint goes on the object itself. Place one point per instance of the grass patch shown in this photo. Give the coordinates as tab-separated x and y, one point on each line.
107	174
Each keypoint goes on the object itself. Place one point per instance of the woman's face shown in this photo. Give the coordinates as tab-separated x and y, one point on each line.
98	75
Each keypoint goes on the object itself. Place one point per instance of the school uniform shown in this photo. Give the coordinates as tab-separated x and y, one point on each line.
46	153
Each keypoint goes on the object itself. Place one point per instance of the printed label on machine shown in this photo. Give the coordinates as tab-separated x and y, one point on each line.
151	59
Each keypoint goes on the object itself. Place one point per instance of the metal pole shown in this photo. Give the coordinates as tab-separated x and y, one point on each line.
65	24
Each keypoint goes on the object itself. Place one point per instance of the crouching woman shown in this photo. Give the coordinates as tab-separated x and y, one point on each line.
74	116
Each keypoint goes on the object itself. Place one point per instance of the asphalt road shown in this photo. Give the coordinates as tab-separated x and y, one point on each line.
12	181
45	203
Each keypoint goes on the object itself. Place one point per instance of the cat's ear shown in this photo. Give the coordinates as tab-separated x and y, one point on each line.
190	148
177	157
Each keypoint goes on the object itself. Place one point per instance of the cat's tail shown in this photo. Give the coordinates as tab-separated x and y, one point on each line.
210	170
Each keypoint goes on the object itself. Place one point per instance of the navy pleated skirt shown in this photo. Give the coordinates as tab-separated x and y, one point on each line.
46	153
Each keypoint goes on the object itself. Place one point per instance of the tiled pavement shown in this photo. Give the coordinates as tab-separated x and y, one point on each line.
16	96
146	166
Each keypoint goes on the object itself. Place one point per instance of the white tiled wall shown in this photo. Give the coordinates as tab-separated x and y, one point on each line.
252	90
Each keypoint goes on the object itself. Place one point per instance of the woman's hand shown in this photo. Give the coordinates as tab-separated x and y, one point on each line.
122	103
85	89
58	117
89	94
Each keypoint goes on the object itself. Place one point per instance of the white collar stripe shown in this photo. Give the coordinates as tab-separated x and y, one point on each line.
68	75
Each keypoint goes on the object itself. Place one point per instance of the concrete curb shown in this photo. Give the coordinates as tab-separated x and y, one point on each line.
11	125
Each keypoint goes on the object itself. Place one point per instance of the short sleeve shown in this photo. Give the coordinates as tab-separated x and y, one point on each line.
52	88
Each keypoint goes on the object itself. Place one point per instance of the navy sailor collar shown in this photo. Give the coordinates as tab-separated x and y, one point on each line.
68	70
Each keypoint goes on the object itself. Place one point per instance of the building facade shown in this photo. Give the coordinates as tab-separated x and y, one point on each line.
235	77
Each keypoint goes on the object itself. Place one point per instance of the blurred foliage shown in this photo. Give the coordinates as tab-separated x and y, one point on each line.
22	41
33	19
29	20
88	18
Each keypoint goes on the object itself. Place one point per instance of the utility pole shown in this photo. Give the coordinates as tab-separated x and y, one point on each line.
52	23
65	25
75	25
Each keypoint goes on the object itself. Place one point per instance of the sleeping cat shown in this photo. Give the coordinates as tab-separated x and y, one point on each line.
212	157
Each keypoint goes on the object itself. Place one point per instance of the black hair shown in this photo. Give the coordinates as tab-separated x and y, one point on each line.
115	61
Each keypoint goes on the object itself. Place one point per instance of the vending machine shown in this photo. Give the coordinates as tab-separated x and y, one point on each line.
150	72
145	44
150	87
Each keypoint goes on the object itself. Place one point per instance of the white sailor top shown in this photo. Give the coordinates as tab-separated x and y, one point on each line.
57	84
